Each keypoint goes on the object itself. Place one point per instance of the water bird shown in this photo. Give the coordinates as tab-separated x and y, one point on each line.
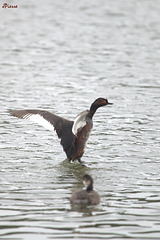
73	134
86	196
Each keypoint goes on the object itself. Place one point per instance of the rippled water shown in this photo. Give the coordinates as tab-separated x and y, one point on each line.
60	56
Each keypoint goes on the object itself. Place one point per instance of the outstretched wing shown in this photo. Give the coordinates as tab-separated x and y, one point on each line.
50	121
79	122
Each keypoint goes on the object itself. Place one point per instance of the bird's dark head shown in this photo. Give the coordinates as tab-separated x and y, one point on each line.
99	102
88	182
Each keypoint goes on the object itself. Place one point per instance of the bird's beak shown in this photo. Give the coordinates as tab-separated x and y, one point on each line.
110	103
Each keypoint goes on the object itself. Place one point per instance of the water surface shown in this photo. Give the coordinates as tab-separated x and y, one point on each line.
60	56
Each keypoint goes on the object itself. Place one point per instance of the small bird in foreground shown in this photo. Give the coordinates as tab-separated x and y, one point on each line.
87	196
73	134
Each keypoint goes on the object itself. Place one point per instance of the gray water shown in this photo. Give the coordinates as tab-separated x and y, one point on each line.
60	56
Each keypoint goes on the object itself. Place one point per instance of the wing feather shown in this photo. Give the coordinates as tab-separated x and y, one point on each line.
50	121
79	122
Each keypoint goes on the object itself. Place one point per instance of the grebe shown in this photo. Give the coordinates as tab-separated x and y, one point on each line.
87	196
73	134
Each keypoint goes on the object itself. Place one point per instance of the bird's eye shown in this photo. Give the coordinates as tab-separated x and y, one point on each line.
104	101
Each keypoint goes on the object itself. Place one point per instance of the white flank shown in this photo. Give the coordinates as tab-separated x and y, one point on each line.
40	120
85	184
79	122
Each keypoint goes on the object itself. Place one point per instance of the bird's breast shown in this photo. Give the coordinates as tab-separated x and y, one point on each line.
81	140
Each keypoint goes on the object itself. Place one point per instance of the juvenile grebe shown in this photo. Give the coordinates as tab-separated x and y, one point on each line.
73	134
87	196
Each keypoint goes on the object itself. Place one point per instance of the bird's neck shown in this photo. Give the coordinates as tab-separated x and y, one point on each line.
89	188
92	111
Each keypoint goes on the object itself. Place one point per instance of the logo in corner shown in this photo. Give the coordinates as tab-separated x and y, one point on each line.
6	5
